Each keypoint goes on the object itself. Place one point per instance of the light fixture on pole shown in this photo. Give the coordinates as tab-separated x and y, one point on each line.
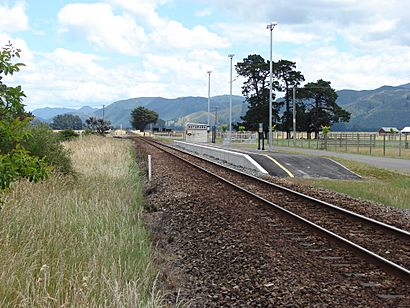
294	115
271	26
230	103
209	95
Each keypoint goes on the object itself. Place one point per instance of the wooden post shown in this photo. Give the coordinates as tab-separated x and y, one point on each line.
149	168
370	136
399	144
384	145
347	137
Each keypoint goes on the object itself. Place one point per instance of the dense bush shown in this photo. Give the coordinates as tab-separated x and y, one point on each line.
67	135
19	162
15	161
45	144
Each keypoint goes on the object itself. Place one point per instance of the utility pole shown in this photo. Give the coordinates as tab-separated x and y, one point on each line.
103	111
230	103
271	26
294	116
209	95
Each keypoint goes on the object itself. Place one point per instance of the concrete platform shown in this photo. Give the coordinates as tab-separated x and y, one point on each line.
233	157
293	165
275	164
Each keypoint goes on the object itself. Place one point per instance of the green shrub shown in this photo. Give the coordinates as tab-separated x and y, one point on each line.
87	132
67	135
45	144
15	161
18	164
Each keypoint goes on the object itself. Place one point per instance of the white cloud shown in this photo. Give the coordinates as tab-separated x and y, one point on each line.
175	35
204	12
186	74
66	77
347	71
387	20
121	32
172	59
166	33
256	33
102	28
13	19
70	78
144	9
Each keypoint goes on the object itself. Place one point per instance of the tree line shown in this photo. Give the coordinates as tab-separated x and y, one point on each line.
140	118
315	101
74	122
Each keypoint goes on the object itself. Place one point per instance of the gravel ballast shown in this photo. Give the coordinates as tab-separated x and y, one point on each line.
217	248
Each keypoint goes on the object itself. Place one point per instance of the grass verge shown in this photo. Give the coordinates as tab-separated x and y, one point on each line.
79	243
380	185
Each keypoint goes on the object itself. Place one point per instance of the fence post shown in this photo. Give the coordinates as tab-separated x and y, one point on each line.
347	137
384	145
358	143
149	168
370	136
399	144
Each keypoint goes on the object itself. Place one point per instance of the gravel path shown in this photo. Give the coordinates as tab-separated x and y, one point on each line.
218	248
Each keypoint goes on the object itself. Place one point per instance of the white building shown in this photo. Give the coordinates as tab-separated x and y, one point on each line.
405	130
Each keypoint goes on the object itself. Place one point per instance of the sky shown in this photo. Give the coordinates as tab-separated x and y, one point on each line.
95	52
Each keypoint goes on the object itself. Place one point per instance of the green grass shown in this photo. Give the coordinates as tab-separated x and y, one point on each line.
79	243
383	186
392	150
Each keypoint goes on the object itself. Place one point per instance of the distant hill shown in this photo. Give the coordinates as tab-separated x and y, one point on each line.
47	114
174	111
386	106
371	109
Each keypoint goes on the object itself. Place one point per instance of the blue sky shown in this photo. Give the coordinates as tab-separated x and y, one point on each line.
94	52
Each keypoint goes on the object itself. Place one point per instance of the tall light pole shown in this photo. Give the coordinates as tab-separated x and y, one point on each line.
209	95
294	115
230	103
271	26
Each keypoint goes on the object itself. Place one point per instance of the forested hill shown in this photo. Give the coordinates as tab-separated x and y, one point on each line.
176	111
372	109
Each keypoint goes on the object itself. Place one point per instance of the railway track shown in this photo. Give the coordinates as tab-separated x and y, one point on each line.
381	244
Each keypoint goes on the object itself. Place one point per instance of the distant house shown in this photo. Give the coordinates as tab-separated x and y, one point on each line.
406	130
388	131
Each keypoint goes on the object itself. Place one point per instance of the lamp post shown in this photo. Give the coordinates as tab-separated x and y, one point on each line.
294	115
209	95
271	26
230	102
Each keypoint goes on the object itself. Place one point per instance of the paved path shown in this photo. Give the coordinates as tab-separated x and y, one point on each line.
401	165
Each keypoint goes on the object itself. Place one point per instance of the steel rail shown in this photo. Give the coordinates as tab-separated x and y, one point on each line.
399	232
385	264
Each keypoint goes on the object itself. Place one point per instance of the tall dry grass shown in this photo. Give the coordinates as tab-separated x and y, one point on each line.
78	242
